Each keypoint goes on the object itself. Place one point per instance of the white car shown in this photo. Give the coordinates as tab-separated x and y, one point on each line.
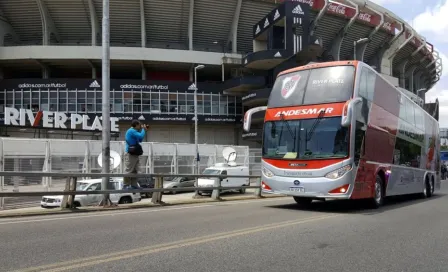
224	169
88	200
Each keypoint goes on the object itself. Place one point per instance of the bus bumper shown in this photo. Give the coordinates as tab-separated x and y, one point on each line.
316	187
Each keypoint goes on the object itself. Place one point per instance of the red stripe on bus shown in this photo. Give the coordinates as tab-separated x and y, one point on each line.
304	112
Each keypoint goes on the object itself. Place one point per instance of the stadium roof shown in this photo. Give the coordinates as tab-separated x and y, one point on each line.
208	26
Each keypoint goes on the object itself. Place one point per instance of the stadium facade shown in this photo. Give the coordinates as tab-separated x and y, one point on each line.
50	59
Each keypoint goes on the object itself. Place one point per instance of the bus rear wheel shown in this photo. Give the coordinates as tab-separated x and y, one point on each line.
303	201
378	196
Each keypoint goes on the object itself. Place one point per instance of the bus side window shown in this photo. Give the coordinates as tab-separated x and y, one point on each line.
371	79
360	133
363	83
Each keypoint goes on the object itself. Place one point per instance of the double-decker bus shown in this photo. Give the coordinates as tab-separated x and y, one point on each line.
339	130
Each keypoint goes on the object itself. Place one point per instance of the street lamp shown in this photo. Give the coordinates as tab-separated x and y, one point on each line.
355	44
196	122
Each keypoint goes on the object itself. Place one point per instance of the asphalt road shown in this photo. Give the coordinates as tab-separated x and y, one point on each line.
408	234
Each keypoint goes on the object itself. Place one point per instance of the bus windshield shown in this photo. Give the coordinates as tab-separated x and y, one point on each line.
314	86
305	139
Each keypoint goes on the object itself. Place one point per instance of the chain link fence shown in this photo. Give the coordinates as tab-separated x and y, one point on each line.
54	155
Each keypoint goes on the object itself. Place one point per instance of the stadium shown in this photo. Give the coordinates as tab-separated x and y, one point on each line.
50	59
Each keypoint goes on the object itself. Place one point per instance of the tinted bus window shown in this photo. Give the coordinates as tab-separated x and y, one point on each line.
315	86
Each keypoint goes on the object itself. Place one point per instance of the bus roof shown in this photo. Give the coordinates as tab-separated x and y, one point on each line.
320	65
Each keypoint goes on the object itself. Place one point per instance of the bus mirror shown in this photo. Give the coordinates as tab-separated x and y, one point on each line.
347	116
248	117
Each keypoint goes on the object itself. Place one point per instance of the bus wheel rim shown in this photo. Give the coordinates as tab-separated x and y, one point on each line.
377	192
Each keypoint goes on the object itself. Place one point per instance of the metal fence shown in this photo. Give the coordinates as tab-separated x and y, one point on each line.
71	189
255	161
56	155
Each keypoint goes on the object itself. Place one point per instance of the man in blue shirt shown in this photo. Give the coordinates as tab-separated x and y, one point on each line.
134	136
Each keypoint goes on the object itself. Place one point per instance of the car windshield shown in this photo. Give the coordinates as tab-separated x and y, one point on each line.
305	139
211	172
81	186
314	86
176	179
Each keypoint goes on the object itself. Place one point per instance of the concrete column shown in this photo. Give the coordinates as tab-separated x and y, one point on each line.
190	25
143	23
47	24
410	77
233	35
95	26
336	47
393	47
402	73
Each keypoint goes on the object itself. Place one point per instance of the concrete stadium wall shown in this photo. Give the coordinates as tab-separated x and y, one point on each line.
117	53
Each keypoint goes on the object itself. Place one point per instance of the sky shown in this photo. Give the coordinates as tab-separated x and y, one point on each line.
430	19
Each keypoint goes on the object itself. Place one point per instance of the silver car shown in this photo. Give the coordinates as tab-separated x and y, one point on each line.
178	182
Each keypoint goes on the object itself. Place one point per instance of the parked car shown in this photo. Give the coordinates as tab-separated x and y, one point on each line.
147	183
224	169
88	200
178	182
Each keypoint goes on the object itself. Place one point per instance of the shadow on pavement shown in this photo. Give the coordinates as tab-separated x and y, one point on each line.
357	206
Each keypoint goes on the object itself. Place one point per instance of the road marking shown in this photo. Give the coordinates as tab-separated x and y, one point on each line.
116	256
149	210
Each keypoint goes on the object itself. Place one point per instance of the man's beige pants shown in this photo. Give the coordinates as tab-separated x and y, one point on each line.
130	166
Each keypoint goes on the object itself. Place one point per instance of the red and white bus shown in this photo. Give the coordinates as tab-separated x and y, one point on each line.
339	130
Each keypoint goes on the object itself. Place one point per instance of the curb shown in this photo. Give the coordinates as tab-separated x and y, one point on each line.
132	207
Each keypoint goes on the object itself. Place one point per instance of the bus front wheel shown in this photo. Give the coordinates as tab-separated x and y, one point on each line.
428	189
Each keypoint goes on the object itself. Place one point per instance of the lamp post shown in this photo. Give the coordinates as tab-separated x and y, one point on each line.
196	124
355	44
106	102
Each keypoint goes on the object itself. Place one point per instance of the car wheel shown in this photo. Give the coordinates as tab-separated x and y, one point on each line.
76	204
174	192
125	200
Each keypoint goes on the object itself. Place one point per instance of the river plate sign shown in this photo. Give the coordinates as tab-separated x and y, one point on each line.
56	120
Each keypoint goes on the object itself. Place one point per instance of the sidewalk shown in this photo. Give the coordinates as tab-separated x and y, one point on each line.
168	200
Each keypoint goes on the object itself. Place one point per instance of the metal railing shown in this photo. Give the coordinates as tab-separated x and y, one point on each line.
70	191
58	155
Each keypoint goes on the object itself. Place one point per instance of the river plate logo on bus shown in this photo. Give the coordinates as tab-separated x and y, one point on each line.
289	85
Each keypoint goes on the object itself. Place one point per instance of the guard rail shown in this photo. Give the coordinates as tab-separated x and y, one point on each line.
70	186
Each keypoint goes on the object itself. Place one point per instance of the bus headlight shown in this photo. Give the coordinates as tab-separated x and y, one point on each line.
339	172
268	173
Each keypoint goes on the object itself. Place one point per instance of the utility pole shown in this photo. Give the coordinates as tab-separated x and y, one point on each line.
106	102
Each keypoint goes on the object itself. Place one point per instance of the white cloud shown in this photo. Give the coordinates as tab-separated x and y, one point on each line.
441	94
434	21
383	2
